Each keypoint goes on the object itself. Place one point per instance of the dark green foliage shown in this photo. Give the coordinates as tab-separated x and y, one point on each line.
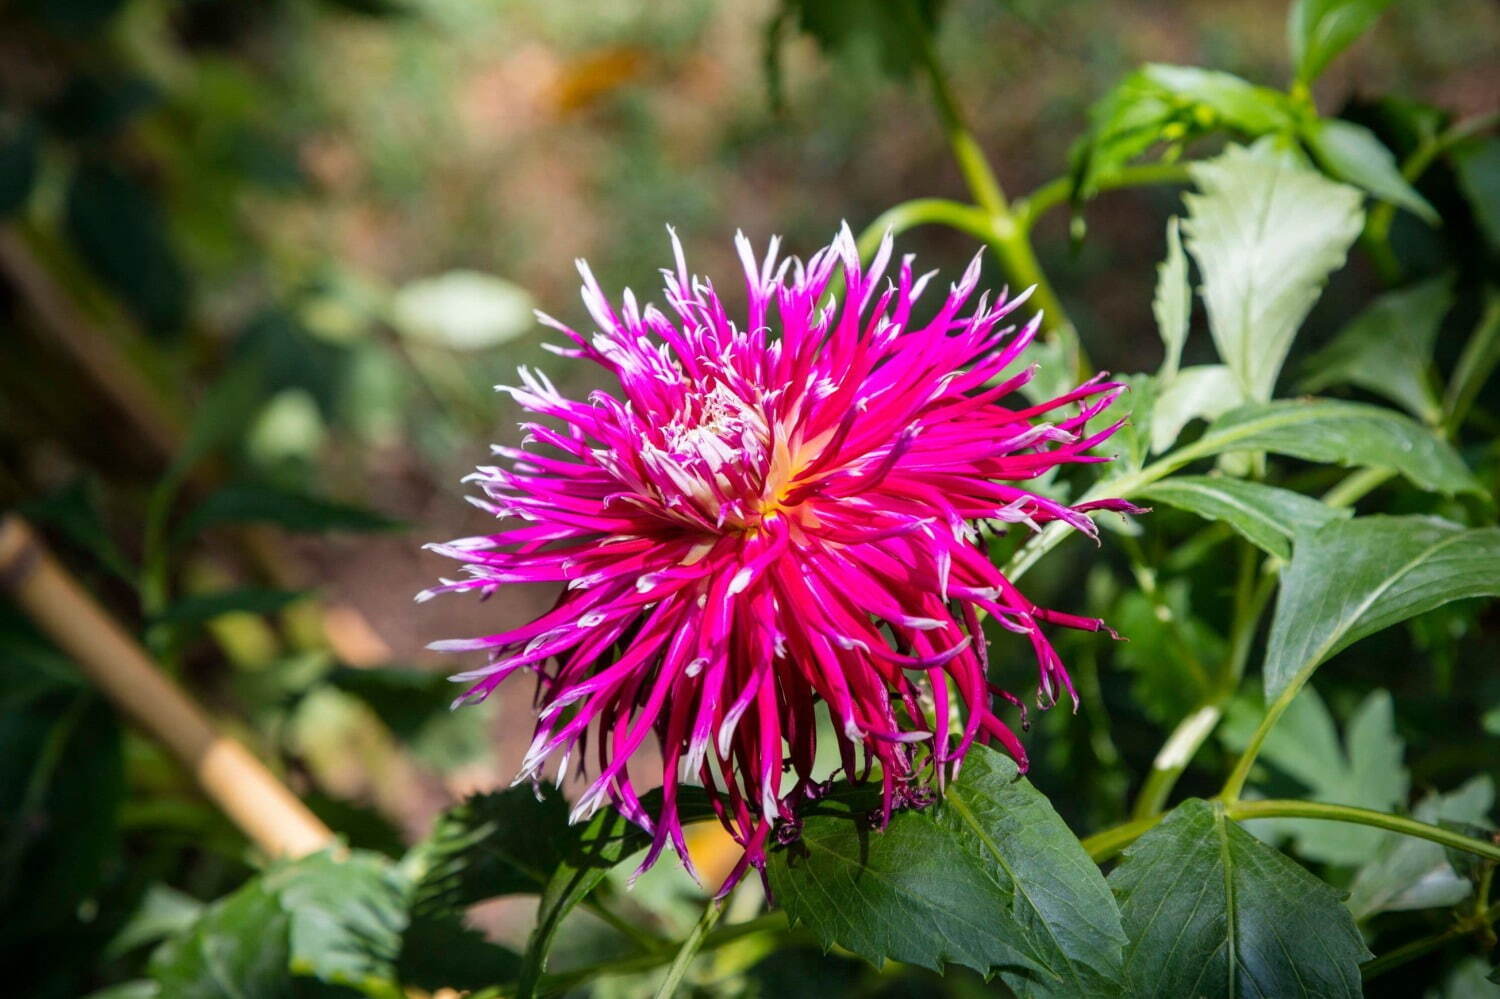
258	504
1212	911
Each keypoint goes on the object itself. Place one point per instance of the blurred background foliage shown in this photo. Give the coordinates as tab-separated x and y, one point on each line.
261	263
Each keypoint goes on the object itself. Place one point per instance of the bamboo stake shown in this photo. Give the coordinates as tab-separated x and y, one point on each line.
248	793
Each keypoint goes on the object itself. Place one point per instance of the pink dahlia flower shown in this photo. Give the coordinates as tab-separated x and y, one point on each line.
769	514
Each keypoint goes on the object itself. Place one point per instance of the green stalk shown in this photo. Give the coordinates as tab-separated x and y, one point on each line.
690	948
1056	192
1475	365
1106	844
924	211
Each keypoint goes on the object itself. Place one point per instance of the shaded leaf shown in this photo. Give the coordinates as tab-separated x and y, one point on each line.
116	226
1210	910
245	600
1266	233
1477	164
1266	516
1353	154
18	163
292	511
163	911
1365	771
441	953
1409	873
895	36
1318	30
1346	433
1353	578
1387	349
239	948
74	511
990	877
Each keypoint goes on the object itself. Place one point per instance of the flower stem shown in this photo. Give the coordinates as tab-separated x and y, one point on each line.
923	211
1057	191
690	948
1106	844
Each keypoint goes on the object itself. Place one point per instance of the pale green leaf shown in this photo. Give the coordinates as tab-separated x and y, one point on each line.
1353	578
1200	391
1353	154
1409	873
1266	516
1320	29
1212	911
462	310
1173	302
1387	349
1266	233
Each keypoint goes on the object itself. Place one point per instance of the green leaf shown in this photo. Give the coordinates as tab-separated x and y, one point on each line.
1365	771
74	511
1167	657
1264	515
18	163
885	28
292	511
1200	391
1173	103
163	911
499	843
1477	165
239	948
1409	873
1387	349
117	228
462	310
590	854
336	919
1173	303
441	953
1346	433
1318	30
1356	577
244	600
1212	911
1266	233
1351	153
990	877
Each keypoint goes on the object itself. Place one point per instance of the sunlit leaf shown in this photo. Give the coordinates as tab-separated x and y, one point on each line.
1266	516
1201	391
1318	30
1266	233
1352	153
1173	302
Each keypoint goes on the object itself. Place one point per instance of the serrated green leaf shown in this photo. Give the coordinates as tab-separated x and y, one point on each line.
1211	911
442	953
1408	873
163	911
1266	516
1202	391
1346	433
1353	154
239	948
1172	304
1266	233
990	877
1387	349
1318	30
1353	578
499	843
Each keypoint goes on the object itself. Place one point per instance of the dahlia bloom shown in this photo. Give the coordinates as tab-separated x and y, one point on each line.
767	515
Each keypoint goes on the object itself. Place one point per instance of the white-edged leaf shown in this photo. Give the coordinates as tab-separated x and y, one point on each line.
1352	153
1353	578
1173	303
1266	516
1200	391
1266	233
1387	349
